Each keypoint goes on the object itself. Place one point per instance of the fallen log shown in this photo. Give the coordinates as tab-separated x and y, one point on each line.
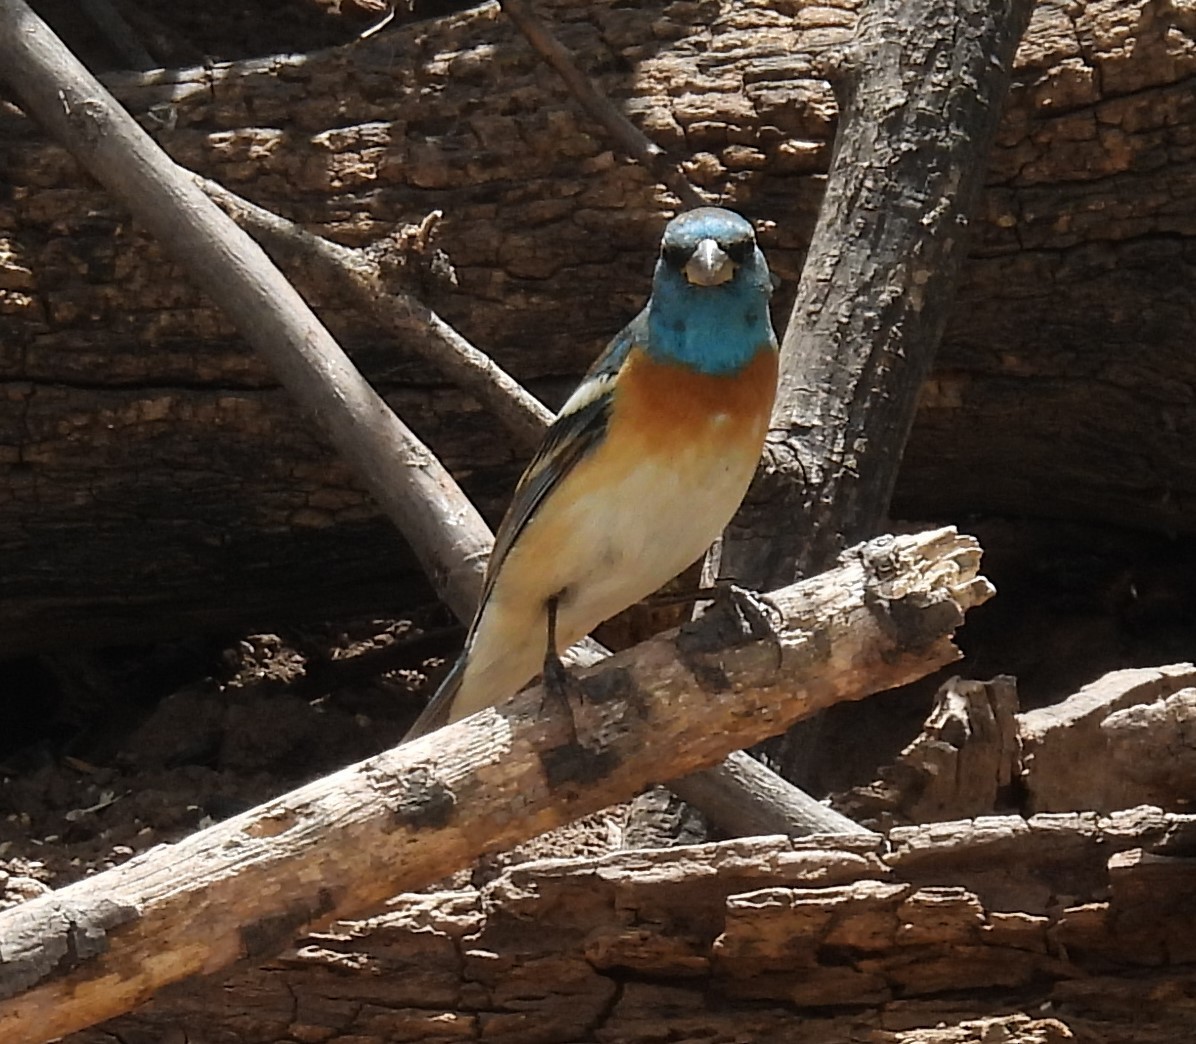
1000	929
407	817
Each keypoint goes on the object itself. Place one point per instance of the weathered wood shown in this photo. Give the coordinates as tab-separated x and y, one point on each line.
742	797
877	286
1084	752
137	419
409	816
921	86
962	763
1124	740
1035	931
374	278
1153	745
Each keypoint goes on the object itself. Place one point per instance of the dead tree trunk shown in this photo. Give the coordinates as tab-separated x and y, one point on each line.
921	87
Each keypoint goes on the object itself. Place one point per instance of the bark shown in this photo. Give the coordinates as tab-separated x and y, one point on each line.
1035	931
405	818
1124	740
1132	724
156	480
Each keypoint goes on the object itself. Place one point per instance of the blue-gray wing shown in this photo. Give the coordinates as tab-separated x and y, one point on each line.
578	428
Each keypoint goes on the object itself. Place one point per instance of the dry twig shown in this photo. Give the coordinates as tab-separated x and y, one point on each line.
629	137
403	314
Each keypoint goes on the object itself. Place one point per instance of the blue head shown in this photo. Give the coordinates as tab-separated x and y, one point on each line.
709	305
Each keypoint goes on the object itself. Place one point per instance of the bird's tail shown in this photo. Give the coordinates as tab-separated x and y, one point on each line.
440	706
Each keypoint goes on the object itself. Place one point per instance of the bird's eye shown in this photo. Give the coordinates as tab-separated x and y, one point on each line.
740	250
675	255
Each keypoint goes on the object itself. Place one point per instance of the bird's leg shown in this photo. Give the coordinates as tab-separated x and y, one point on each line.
555	676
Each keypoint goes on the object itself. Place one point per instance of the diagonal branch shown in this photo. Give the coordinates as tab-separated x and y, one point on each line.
629	137
403	314
405	818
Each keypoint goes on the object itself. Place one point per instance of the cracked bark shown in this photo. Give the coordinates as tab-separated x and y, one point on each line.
1037	931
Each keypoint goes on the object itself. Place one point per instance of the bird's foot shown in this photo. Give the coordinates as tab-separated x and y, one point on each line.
757	610
735	616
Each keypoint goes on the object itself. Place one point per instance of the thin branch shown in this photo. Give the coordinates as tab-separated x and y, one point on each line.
521	413
629	137
403	819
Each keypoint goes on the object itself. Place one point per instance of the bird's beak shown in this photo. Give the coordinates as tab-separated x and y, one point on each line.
709	265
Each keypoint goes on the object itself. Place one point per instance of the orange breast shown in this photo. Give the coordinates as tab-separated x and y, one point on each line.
672	406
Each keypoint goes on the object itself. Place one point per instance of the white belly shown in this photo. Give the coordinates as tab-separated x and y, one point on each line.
624	542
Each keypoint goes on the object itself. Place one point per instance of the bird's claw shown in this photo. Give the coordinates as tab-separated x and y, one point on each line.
757	610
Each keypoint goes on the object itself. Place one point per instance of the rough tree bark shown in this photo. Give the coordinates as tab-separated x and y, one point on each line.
1123	740
149	460
1042	931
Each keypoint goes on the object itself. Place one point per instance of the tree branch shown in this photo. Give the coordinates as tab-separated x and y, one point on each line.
403	314
405	818
629	137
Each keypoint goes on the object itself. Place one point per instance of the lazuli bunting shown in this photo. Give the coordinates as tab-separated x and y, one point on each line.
640	472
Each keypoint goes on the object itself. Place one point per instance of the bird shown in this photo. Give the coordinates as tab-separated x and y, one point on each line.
640	472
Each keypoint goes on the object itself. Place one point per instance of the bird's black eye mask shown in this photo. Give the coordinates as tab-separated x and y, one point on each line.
740	250
677	255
